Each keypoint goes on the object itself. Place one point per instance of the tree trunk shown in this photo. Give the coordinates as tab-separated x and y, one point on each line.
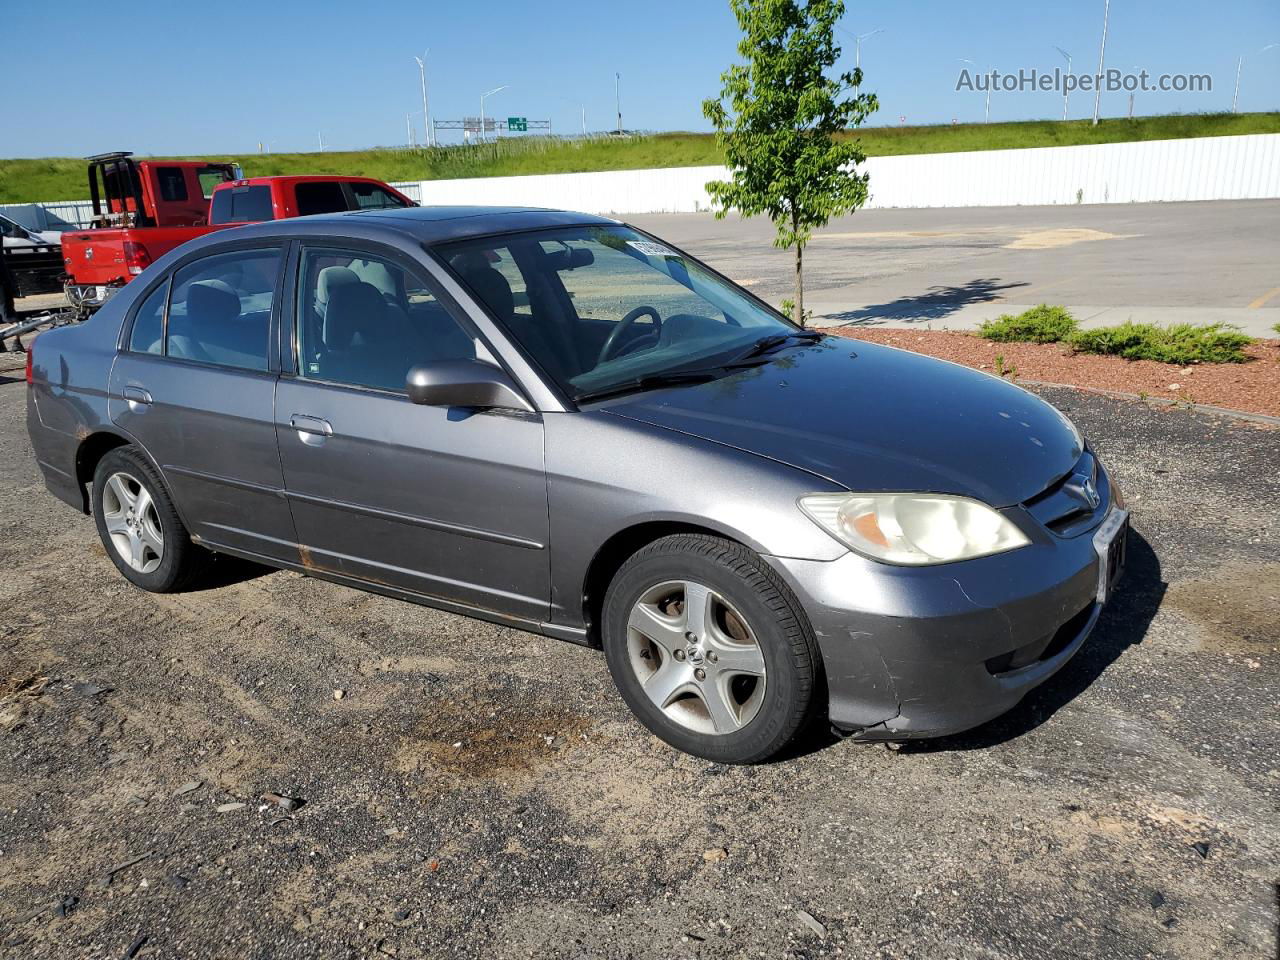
798	316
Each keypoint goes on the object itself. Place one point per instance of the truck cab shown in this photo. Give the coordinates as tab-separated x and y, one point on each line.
277	198
153	193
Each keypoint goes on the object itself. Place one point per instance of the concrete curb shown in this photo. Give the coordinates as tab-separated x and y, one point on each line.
1261	418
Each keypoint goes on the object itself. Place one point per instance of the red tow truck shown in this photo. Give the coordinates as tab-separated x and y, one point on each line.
142	209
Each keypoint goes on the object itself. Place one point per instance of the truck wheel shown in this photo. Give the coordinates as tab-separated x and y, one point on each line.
710	649
139	526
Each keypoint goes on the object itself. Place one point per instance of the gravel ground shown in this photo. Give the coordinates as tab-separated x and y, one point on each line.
475	791
1253	386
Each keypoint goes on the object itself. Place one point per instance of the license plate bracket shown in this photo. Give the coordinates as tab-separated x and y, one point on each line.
1111	542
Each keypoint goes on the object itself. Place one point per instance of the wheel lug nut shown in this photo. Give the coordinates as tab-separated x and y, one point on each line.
700	674
679	654
690	636
712	657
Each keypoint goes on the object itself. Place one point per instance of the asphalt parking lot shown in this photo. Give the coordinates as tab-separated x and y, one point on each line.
1211	262
475	791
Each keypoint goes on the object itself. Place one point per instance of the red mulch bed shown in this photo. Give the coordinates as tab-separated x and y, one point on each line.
1253	387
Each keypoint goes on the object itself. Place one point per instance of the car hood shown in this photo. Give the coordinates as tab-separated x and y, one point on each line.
874	418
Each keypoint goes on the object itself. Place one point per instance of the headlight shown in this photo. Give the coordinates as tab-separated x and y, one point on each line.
913	528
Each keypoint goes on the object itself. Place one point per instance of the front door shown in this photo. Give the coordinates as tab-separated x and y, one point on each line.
444	503
194	386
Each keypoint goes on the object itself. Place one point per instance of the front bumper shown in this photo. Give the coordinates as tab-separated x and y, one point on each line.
929	651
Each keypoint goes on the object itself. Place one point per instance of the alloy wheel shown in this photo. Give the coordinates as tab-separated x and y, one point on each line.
696	657
132	522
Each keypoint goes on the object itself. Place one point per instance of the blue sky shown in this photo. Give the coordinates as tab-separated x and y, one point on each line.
186	78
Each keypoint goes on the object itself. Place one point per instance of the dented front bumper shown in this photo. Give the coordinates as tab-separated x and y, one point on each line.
928	651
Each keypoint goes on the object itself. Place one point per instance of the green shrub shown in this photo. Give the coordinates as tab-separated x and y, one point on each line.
1276	327
1181	343
1042	324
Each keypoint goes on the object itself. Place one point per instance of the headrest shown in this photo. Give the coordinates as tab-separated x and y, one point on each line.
330	278
354	308
213	301
491	287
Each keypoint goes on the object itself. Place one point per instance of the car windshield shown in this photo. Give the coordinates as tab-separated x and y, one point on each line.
604	309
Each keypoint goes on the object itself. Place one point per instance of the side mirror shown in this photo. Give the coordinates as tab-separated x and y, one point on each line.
463	383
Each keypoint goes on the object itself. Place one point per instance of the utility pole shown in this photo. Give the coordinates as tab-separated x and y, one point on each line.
1102	57
426	112
320	135
1066	87
617	97
584	120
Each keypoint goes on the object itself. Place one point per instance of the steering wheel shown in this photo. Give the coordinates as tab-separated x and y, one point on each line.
608	350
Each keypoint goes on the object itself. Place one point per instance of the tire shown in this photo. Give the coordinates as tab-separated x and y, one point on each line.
705	699
166	560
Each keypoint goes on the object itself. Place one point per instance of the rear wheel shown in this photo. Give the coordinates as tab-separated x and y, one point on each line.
139	525
710	649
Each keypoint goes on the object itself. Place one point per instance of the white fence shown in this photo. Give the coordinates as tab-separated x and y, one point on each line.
1204	168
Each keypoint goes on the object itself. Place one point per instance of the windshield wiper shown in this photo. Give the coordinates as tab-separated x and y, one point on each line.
650	382
765	344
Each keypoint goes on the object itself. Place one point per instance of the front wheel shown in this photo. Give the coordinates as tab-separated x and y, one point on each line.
139	524
710	649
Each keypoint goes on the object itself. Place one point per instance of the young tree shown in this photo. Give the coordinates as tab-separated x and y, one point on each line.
779	128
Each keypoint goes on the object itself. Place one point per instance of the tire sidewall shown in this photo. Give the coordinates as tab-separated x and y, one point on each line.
176	540
773	726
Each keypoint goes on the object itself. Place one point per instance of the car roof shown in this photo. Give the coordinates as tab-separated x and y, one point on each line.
427	225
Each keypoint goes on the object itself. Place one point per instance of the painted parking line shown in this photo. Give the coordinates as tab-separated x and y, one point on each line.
1262	300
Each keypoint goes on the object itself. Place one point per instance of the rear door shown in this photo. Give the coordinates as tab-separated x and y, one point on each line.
196	386
447	503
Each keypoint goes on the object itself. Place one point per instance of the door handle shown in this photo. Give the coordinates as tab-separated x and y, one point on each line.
137	398
311	429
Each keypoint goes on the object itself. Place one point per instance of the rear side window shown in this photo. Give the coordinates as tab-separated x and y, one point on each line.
370	196
320	197
242	205
220	311
148	323
173	183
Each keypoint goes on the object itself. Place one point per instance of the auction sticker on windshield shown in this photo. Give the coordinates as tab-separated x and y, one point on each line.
651	249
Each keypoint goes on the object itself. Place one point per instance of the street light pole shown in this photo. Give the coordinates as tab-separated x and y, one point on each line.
1102	56
986	117
1235	97
489	93
1066	87
426	113
617	98
857	46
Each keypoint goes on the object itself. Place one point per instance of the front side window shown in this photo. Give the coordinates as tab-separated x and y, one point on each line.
220	311
210	177
370	196
599	307
242	205
173	183
364	321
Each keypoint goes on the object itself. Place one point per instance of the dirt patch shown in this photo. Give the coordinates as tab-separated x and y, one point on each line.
1239	386
490	733
1239	609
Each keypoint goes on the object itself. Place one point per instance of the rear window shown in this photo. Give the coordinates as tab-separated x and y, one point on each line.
173	183
242	205
320	197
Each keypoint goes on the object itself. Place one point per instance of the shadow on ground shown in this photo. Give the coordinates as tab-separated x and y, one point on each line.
936	304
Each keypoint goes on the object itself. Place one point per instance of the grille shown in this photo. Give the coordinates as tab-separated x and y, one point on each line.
1064	508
